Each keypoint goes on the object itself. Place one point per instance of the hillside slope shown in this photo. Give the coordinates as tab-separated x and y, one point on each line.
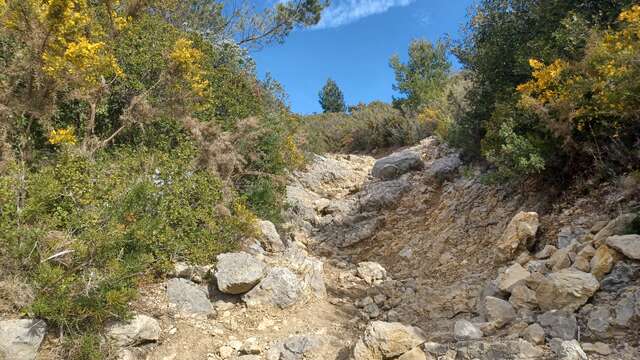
430	262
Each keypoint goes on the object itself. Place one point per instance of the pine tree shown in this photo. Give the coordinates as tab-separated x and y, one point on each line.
331	98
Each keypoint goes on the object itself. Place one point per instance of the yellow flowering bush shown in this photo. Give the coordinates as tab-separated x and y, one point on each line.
592	104
546	78
84	60
62	136
187	62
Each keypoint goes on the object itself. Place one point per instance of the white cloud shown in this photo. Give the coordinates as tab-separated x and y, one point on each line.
342	12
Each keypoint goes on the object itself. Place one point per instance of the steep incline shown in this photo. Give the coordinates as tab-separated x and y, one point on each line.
424	260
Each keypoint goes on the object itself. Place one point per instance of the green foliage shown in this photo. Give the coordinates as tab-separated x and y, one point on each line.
501	38
91	230
514	151
331	98
366	128
422	79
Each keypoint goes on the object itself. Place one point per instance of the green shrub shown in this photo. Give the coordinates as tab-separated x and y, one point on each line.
91	230
502	36
365	128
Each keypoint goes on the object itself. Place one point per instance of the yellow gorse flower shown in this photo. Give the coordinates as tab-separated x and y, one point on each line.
545	77
187	61
62	136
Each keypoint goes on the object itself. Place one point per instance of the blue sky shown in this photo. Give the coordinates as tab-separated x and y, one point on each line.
353	44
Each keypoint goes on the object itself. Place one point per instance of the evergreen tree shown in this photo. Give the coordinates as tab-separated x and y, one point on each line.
331	98
423	78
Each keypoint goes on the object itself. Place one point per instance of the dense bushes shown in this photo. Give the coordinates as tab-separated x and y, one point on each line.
132	135
365	128
545	79
88	230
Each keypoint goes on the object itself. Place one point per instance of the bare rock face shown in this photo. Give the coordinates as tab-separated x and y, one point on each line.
281	288
522	228
383	194
629	245
567	289
20	339
394	165
237	273
139	330
383	340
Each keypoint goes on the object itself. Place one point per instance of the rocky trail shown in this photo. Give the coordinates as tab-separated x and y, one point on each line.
411	257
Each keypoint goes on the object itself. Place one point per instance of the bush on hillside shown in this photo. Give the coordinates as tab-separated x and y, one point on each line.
591	105
500	38
89	231
367	127
132	137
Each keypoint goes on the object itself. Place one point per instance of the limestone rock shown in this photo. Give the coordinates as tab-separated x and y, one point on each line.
523	298
499	312
20	339
195	273
512	276
280	288
514	349
621	275
602	262
598	320
465	330
371	271
567	289
534	333
520	230
380	195
294	348
567	350
237	273
629	245
627	309
310	269
598	348
415	354
359	231
444	168
188	296
583	260
560	259
270	236
394	165
383	340
226	352
140	329
546	252
559	324
616	226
